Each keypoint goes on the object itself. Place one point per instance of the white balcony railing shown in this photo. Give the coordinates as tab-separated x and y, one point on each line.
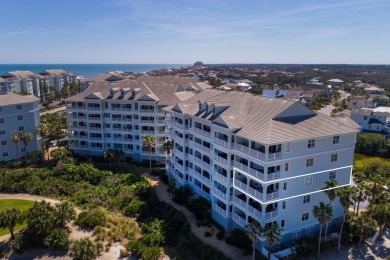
256	173
241	166
240	184
220	210
220	160
273	176
219	193
147	132
221	142
274	156
254	211
255	193
220	177
271	214
241	147
239	201
238	219
202	132
272	196
257	154
147	110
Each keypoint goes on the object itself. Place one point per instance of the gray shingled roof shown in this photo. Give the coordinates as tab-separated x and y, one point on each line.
13	99
263	119
364	112
166	90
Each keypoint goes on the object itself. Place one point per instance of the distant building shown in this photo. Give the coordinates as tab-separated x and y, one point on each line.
374	90
357	102
17	113
335	82
375	120
198	63
58	77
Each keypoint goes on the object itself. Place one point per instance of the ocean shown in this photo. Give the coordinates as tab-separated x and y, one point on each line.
87	70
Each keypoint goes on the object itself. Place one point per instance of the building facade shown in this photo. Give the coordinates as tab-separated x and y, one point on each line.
17	113
375	120
258	158
116	113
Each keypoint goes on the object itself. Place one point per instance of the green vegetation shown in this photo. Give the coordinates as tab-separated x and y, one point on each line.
22	205
372	145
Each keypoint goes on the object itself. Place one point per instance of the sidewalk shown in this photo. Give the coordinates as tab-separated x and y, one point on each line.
228	250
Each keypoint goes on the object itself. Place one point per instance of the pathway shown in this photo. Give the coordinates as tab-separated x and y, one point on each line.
228	250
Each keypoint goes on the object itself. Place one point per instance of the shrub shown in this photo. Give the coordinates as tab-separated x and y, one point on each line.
181	195
163	178
123	253
83	249
239	239
220	235
57	240
92	218
208	234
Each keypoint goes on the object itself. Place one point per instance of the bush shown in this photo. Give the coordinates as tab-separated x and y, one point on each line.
164	178
92	218
83	249
220	235
123	253
57	240
208	234
239	239
182	194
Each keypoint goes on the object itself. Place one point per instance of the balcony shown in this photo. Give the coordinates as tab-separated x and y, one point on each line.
221	160
117	129
271	214
93	108
239	202
95	128
274	156
239	220
147	111
80	146
127	119
95	138
116	119
254	211
147	132
255	193
241	166
117	139
257	154
220	210
82	126
206	165
180	167
125	129
272	196
221	142
240	184
179	125
198	160
147	121
219	193
116	108
170	133
94	119
241	147
128	139
256	173
178	153
202	132
220	177
273	176
96	148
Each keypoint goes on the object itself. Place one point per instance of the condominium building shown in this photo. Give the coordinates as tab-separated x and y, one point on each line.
116	113
375	120
57	78
259	158
17	113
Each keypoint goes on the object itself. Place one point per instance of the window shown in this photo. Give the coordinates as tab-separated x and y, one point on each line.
20	118
283	223
1	109
311	143
334	157
18	107
365	117
1	120
2	132
305	216
23	149
288	147
285	185
21	128
336	139
5	154
3	143
308	180
309	162
332	175
286	167
306	199
284	205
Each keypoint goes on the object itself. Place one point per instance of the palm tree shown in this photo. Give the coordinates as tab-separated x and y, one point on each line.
118	155
44	132
109	155
60	153
362	195
331	192
15	139
364	226
254	229
167	147
324	214
25	137
271	232
381	214
147	144
345	197
9	218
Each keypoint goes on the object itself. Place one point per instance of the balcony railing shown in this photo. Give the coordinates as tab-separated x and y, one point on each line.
220	159
220	210
273	176
254	211
219	193
220	177
241	166
118	129
221	142
206	165
96	148
128	139
116	119
147	110
239	201
202	132
95	138
255	193
180	167
147	121
274	156
197	160
240	184
271	214
117	139
147	132
272	196
238	219
127	129
256	173
179	125
178	153
257	154
93	108
94	118
95	128
241	147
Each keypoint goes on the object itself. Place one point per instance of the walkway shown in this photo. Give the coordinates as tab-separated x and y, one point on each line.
228	250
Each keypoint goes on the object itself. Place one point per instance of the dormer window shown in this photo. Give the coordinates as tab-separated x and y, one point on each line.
111	92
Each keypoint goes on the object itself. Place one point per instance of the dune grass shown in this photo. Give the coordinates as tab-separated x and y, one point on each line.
19	204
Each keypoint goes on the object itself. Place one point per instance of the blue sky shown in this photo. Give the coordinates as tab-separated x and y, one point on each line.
181	32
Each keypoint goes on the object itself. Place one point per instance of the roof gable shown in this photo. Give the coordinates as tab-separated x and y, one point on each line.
295	110
96	95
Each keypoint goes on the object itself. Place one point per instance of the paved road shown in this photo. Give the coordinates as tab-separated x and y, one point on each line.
53	110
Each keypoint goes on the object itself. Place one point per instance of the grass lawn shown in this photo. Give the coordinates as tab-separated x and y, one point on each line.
20	204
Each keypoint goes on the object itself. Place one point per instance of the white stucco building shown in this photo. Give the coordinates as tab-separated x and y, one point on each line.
259	158
115	112
17	113
375	120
